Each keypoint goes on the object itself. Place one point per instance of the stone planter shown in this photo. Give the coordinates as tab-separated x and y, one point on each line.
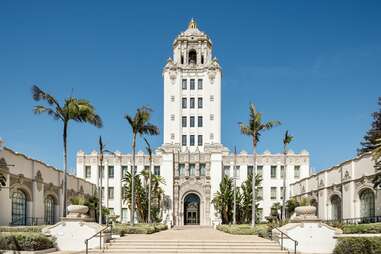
77	211
305	213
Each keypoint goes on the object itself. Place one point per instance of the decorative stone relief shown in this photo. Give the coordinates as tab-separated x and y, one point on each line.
39	180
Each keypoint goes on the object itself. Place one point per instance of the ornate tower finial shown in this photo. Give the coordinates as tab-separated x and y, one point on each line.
192	24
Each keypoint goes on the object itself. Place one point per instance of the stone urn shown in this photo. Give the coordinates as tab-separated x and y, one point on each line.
305	213
77	211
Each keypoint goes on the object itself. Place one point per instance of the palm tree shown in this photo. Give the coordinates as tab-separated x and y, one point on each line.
286	140
254	128
149	151
140	125
223	200
73	109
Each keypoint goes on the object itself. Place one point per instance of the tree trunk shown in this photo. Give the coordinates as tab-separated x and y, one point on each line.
132	216
149	188
65	169
253	210
284	183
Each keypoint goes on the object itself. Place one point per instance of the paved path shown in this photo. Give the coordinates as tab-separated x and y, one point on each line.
194	233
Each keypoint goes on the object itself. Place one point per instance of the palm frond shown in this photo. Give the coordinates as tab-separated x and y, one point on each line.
287	139
39	109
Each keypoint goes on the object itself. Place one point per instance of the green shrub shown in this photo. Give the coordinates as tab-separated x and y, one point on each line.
358	245
372	228
122	229
25	241
261	230
31	229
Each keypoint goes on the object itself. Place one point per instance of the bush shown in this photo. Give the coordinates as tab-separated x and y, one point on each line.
262	230
358	245
122	229
372	228
25	241
31	229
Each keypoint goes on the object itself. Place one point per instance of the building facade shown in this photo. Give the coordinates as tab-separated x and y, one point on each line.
344	191
192	159
33	191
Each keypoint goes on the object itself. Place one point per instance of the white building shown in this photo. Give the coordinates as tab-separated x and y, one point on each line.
344	191
192	159
33	192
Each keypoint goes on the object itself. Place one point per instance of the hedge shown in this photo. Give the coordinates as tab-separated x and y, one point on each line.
372	228
261	230
122	229
25	241
31	229
358	245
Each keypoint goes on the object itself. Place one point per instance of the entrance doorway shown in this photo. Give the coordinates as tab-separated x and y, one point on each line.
192	209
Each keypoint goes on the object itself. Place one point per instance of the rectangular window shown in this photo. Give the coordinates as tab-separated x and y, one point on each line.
101	172
87	171
184	84
136	169
110	171
199	140
199	84
297	171
124	171
273	171
192	86
211	117
184	121
191	103
202	169
259	193
260	170
184	102
199	121
199	102
226	170
192	169
273	192
181	169
281	192
172	98
110	193
236	171
184	140
191	140
172	117
191	121
156	170
281	171
250	170
103	193
124	215
212	98
211	136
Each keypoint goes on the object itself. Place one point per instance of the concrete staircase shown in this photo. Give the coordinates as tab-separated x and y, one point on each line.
131	246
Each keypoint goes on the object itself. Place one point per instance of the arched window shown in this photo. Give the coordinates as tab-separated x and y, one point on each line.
49	210
367	203
192	57
335	207
18	208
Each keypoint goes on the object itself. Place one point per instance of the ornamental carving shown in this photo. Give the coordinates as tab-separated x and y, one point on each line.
321	183
346	175
39	180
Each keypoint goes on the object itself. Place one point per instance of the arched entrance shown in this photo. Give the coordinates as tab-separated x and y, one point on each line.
192	209
335	207
367	203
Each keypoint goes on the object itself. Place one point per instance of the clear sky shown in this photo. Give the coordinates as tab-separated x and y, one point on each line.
313	65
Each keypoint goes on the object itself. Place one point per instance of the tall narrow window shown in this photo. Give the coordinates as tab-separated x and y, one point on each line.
184	121
250	170
49	210
191	84
124	171
184	84
260	193
273	172
282	171
172	98
110	193
260	170
226	170
192	57
182	59
202	59
192	169
236	171
191	102
199	102
191	121
202	169
184	102
297	171
191	140
181	169
156	170
110	171
136	169
273	193
211	136
199	140
87	171
199	84
101	171
211	117
212	98
184	140
199	121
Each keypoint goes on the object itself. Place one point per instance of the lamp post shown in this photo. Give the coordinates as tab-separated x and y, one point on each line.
234	190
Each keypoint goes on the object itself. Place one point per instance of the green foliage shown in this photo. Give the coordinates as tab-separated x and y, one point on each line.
372	228
123	229
247	197
30	229
370	139
358	245
78	200
305	201
291	204
25	241
223	200
261	230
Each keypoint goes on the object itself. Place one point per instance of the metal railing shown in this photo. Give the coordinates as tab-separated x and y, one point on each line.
100	233
359	220
288	237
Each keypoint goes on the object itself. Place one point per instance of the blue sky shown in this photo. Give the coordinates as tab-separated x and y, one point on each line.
313	65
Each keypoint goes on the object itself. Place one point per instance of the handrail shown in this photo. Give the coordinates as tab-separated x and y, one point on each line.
100	238
288	237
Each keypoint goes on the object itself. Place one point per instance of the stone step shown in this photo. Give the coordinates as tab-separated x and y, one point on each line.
194	244
194	251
